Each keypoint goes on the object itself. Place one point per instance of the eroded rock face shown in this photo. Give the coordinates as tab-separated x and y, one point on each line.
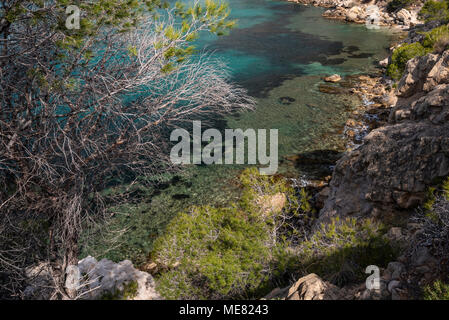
397	162
415	75
406	17
392	168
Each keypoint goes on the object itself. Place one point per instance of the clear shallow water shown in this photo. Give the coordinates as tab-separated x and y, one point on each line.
279	49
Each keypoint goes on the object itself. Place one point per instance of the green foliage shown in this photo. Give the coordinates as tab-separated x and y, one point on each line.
341	249
123	16
403	54
435	11
428	205
399	4
223	252
128	293
437	291
437	39
219	250
445	189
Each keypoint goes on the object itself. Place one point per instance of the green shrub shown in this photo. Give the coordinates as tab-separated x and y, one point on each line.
219	252
402	55
399	4
215	253
435	200
437	291
437	39
435	11
340	250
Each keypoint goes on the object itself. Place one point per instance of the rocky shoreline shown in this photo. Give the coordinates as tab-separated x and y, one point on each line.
373	13
398	146
402	148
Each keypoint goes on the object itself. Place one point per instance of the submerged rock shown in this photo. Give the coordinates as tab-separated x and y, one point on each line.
286	100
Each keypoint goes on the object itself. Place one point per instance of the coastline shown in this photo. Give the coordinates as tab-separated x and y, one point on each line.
370	13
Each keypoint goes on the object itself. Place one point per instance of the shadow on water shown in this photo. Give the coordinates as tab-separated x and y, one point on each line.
281	48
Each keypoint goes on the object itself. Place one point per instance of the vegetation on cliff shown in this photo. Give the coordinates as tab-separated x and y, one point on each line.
435	11
435	40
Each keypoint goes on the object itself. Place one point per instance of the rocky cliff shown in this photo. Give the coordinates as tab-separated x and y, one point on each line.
392	169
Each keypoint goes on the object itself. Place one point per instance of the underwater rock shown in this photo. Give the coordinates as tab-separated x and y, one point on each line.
286	100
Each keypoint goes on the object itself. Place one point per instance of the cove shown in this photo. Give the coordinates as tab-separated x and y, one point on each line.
279	52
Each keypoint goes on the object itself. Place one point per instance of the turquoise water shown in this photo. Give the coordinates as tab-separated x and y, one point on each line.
282	50
278	50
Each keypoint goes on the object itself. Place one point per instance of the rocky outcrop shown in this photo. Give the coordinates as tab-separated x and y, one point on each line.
333	78
373	13
397	162
310	287
94	280
121	280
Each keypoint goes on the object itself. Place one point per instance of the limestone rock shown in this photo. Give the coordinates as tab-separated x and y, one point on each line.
406	17
355	14
333	78
439	74
107	277
273	204
310	287
384	62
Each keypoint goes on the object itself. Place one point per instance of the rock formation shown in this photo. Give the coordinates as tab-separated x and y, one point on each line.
366	12
121	280
397	162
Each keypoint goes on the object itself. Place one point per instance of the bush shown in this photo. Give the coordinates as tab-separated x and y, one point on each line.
437	39
402	55
437	291
341	250
216	253
435	11
399	4
219	253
